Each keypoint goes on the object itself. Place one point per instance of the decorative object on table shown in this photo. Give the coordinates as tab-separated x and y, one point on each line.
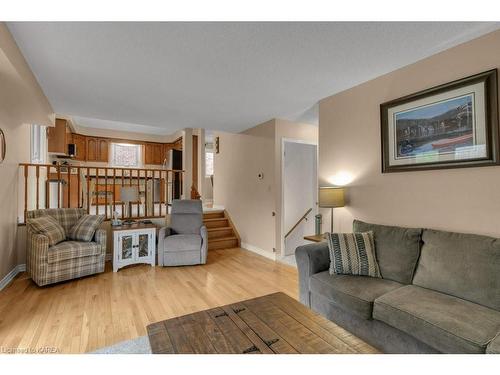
67	260
2	146
331	197
352	254
318	220
116	221
448	126
134	244
185	242
128	194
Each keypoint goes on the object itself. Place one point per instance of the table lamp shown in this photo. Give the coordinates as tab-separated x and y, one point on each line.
331	197
129	194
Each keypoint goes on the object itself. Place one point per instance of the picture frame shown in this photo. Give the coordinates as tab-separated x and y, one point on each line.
2	146
454	125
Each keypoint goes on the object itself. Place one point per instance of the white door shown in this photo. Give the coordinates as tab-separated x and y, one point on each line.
300	191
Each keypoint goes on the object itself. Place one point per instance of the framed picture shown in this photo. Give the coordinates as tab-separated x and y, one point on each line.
2	146
449	126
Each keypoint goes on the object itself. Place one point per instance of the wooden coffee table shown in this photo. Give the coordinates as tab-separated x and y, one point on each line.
275	323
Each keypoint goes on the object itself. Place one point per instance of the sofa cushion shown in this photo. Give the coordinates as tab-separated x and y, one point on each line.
352	293
49	227
71	250
397	249
446	323
182	242
84	229
352	254
463	265
494	345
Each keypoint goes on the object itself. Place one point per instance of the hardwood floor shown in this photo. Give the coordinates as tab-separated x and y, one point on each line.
86	314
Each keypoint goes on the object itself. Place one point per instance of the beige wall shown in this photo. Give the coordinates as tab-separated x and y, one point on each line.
249	201
275	131
465	200
22	102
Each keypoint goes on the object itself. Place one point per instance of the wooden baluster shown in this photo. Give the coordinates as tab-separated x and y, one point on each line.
105	193
122	204
47	189
145	192
59	186
160	195
97	191
25	191
69	186
37	185
87	177
139	192
113	195
79	187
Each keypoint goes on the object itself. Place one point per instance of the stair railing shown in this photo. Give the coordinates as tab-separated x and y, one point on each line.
304	217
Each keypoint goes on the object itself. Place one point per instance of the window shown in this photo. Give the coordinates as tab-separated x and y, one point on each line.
209	163
125	155
38	142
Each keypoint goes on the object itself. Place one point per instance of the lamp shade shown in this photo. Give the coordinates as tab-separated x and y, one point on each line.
331	197
129	193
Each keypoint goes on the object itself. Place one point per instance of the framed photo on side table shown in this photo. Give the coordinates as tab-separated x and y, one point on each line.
449	126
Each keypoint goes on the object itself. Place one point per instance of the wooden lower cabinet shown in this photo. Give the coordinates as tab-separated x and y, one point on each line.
69	191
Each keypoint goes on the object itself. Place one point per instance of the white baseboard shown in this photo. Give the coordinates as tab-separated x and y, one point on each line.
10	276
258	250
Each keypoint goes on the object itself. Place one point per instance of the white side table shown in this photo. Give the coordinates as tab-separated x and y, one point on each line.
133	244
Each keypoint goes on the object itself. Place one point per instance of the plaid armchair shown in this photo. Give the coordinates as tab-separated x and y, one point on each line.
68	259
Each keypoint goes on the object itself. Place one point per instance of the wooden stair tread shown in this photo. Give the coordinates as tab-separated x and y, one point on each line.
223	239
219	229
215	219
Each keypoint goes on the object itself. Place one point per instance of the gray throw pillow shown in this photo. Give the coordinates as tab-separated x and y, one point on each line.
353	254
85	227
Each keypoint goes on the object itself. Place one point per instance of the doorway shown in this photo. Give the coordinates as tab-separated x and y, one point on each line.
300	193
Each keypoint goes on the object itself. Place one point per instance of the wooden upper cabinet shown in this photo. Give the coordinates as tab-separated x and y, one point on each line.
58	137
158	153
148	153
91	149
80	142
103	150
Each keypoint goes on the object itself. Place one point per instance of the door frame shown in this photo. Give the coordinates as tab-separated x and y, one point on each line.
282	187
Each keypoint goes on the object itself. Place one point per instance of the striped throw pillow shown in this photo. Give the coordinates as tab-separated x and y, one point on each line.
85	227
353	254
49	227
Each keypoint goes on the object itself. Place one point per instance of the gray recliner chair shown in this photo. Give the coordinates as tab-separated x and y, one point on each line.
185	242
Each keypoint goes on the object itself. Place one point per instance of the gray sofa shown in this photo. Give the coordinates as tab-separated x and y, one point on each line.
185	242
439	291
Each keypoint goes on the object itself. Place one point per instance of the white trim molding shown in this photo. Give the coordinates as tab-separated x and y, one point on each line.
257	250
10	276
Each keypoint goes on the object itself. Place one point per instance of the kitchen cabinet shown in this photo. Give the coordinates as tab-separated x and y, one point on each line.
58	137
80	142
97	149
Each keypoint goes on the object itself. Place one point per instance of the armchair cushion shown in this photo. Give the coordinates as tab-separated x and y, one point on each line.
71	250
182	242
85	227
49	227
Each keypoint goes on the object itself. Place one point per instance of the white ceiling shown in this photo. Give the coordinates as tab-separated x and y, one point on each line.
221	76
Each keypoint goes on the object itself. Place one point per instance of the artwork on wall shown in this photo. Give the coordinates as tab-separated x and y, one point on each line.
2	145
449	126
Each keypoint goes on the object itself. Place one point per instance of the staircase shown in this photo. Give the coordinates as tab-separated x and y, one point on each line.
221	232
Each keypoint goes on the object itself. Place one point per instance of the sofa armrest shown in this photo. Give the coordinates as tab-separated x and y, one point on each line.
164	232
311	259
204	244
100	236
36	254
494	345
